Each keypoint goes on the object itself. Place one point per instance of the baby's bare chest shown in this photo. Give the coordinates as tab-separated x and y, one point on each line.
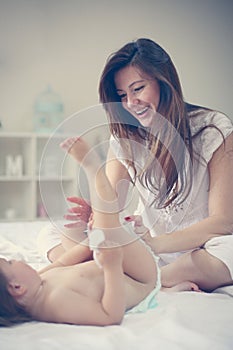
86	279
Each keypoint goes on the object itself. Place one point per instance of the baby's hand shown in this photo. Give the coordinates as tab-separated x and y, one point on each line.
79	214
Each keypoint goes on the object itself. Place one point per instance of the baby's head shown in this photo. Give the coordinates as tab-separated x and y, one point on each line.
11	312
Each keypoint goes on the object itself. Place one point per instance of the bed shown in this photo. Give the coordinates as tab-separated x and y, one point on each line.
182	321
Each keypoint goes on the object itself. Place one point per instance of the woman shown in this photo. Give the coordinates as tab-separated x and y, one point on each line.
179	157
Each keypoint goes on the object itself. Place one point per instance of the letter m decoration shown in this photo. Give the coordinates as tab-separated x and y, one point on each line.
14	165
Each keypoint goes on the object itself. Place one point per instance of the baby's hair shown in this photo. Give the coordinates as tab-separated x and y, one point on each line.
11	312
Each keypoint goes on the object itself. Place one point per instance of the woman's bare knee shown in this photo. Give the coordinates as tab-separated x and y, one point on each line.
213	272
199	267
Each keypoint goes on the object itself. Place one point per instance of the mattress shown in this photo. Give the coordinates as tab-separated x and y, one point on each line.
181	321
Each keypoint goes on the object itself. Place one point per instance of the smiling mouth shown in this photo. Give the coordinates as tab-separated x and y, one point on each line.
142	111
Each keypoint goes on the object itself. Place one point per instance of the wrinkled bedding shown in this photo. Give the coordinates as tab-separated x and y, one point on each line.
181	321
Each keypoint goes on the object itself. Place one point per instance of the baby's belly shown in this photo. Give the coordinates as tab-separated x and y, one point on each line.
88	279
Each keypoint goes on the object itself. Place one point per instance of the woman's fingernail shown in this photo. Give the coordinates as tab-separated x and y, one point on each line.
127	218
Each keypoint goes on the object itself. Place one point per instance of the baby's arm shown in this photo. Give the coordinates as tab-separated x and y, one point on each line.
79	253
68	306
114	297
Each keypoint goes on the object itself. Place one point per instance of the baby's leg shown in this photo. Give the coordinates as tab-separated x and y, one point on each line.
55	253
138	262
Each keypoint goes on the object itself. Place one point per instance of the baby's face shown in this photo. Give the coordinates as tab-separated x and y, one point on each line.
17	271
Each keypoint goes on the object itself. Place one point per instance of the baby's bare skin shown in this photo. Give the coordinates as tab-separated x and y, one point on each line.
84	293
84	280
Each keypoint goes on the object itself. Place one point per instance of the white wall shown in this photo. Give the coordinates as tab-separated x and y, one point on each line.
65	43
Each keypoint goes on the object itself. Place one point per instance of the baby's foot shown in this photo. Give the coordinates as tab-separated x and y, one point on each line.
77	147
85	155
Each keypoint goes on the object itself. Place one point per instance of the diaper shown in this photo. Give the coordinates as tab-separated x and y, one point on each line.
222	248
149	302
48	238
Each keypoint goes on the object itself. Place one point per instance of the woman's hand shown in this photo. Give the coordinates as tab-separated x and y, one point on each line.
80	214
144	232
153	242
138	225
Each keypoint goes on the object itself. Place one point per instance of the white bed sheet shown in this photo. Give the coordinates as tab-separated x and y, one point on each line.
182	321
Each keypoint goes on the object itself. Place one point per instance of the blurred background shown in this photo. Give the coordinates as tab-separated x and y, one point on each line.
52	53
64	44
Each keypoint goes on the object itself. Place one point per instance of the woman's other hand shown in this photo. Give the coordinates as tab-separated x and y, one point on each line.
142	230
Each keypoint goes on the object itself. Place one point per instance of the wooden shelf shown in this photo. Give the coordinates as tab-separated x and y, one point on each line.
34	172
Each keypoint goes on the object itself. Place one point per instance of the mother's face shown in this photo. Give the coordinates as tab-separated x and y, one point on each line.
139	94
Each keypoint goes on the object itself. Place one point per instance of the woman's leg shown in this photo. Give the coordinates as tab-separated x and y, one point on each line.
198	266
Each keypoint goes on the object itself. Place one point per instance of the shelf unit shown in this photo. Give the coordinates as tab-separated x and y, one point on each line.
36	176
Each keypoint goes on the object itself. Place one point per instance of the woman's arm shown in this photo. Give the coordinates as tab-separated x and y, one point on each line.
220	219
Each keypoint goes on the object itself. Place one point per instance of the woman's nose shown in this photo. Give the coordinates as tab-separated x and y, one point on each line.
132	100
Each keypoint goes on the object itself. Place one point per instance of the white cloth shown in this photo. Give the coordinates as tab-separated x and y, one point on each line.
48	238
222	248
195	207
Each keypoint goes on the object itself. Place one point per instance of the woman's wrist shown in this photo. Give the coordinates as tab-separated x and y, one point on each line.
156	244
161	243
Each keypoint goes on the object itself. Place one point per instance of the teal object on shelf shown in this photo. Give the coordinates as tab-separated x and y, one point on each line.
48	111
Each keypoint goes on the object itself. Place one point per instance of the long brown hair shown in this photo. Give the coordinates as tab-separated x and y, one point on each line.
153	61
11	312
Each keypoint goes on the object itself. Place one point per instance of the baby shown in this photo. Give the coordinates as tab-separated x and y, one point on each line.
126	277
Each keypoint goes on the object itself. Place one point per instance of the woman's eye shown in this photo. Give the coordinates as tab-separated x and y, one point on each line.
139	88
122	96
